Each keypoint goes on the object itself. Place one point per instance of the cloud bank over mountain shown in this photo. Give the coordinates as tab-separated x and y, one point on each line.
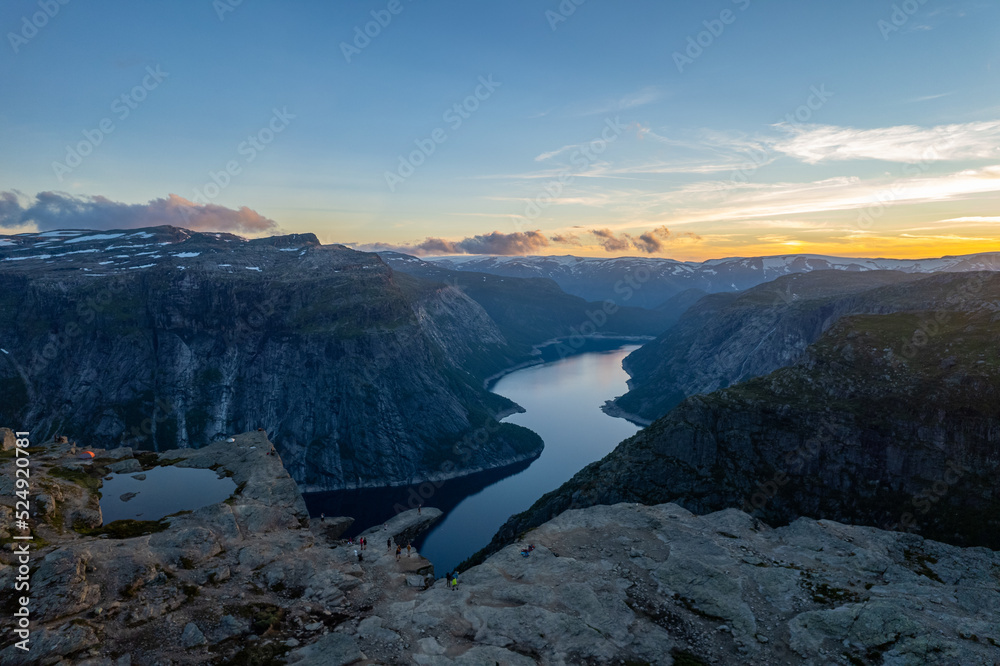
532	242
59	210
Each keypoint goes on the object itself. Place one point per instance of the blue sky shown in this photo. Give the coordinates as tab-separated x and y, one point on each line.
898	154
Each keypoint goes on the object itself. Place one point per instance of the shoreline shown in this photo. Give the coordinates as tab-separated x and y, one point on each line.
536	352
613	410
434	478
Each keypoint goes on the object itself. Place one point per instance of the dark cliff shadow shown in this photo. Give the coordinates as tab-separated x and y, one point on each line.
373	506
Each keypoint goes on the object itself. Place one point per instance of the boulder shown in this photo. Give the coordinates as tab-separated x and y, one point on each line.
331	650
46	504
192	636
119	453
48	645
332	528
228	627
7	439
126	466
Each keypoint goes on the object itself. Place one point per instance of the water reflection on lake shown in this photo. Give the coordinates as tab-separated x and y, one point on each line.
563	402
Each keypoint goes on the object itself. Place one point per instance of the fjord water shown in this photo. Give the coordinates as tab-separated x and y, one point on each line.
563	402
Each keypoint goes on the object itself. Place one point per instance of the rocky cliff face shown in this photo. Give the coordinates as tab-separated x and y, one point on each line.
162	338
252	581
658	585
725	338
863	429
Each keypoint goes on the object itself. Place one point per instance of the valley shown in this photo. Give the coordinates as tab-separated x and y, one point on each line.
442	400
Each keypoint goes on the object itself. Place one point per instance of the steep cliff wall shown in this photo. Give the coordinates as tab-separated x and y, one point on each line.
863	429
727	338
163	338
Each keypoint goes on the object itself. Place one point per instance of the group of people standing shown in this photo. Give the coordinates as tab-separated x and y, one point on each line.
362	544
399	548
451	579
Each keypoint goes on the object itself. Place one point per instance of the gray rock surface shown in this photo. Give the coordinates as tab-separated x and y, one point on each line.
228	627
638	583
192	636
126	466
226	581
331	650
47	645
404	526
245	578
332	527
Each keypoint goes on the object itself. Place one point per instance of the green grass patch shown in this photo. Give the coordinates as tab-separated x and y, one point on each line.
258	655
918	563
685	658
263	617
123	529
90	480
823	593
12	453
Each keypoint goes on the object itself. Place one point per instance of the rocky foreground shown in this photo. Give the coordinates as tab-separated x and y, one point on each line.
243	581
253	580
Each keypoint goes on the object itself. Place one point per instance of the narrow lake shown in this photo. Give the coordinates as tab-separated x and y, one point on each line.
563	400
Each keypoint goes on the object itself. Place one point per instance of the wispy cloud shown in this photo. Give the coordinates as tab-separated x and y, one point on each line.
927	98
642	97
813	144
771	200
558	151
691	179
974	218
719	202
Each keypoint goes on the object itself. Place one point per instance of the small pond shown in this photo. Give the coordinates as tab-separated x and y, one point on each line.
164	491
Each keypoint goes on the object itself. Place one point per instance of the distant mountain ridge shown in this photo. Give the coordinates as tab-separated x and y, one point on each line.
650	281
528	308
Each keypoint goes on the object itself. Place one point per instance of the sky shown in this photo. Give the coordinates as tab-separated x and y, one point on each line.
690	130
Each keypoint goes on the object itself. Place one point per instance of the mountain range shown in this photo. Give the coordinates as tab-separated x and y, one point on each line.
650	282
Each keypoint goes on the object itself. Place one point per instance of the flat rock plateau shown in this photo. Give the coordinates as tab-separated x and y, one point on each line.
252	580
